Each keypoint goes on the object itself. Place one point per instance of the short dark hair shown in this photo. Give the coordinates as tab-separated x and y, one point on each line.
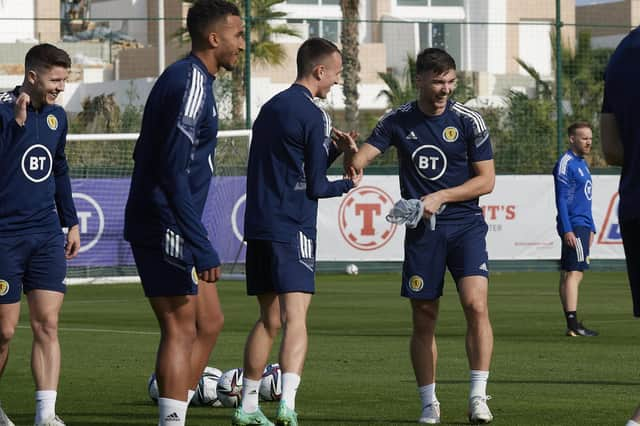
204	13
312	52
46	56
436	60
571	130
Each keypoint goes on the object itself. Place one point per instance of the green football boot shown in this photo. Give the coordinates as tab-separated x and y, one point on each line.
286	416
240	418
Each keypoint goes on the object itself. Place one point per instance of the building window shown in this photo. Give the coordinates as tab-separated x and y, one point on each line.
314	2
314	28
437	35
430	2
330	31
413	3
447	3
446	36
321	28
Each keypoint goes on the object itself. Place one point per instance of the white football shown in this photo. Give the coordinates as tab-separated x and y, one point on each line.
271	383
152	388
206	392
351	269
229	389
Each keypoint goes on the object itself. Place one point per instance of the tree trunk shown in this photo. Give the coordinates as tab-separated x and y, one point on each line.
237	95
350	61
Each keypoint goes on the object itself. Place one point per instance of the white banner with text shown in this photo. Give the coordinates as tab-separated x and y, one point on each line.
520	212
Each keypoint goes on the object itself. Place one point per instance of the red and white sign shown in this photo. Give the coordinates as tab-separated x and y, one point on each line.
361	218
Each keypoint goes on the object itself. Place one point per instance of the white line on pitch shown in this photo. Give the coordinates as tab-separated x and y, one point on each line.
103	330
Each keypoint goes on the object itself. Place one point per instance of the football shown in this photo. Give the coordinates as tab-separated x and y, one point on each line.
206	393
152	388
351	269
271	383
229	389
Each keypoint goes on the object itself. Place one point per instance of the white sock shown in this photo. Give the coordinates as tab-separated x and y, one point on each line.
250	395
190	394
171	412
632	423
290	383
478	383
45	405
427	394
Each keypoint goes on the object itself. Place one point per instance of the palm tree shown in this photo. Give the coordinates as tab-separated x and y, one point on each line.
400	91
100	114
582	83
350	61
263	49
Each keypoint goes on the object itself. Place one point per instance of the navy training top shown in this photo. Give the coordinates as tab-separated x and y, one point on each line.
35	189
291	150
174	165
621	96
435	152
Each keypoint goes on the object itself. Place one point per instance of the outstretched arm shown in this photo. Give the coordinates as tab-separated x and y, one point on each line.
356	162
318	150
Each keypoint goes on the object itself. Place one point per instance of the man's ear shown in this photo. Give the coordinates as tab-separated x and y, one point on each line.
214	39
32	76
319	71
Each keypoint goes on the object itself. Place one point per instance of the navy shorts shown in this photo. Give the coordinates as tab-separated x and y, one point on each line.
279	267
461	247
163	275
576	259
31	262
630	230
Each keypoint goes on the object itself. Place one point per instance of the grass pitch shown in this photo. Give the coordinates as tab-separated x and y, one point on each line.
358	370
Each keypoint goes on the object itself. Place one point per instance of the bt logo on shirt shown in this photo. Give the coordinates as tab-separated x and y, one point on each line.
37	163
429	161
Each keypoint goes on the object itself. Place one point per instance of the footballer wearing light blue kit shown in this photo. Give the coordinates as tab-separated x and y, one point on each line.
35	201
174	158
573	191
291	150
446	160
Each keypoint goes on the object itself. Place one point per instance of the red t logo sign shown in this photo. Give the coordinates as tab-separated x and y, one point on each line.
367	211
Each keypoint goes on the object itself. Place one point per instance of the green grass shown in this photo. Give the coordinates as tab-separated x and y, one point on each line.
358	370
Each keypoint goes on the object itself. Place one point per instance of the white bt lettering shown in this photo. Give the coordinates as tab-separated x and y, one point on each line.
37	163
83	218
428	162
